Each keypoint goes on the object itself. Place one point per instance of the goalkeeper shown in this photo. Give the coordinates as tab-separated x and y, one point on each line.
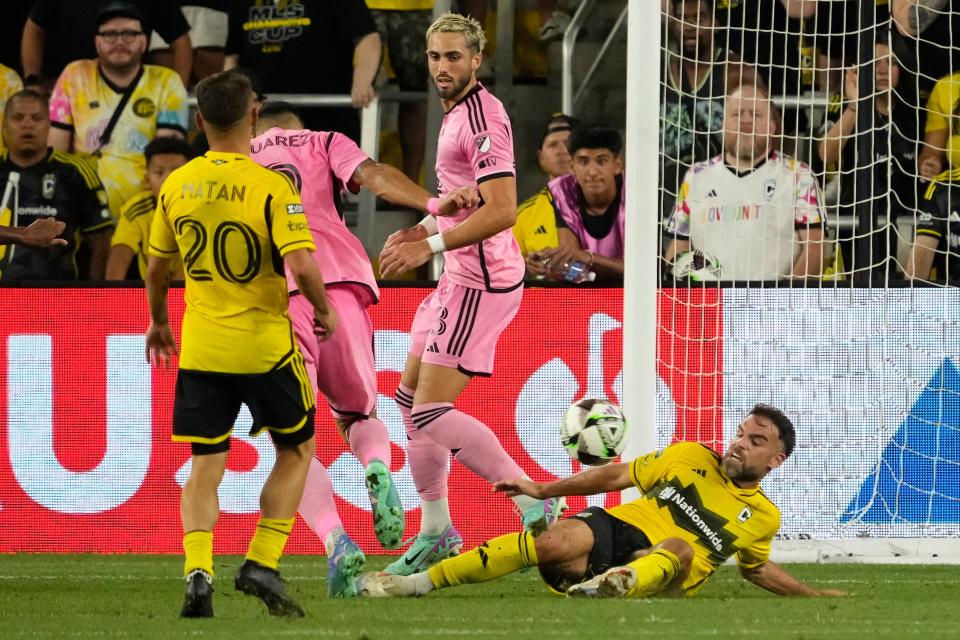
696	510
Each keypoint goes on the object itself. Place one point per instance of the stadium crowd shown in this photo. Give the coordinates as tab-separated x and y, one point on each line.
748	166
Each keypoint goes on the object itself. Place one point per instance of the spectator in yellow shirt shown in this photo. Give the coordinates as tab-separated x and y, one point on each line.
9	84
536	226
132	236
941	137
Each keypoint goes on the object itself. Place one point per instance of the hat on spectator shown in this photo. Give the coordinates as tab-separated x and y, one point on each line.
119	9
558	122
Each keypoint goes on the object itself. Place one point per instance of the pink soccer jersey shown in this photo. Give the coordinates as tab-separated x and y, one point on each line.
321	165
476	144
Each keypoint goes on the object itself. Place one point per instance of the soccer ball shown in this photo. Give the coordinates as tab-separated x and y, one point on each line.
696	266
594	431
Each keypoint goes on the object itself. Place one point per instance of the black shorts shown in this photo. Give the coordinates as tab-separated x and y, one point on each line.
614	541
206	406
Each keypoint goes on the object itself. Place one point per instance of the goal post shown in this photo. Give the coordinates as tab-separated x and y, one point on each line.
864	359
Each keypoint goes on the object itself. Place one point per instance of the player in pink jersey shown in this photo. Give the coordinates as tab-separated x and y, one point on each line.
456	328
322	164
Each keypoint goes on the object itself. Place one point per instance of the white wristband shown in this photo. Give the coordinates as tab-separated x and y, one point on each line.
437	245
430	224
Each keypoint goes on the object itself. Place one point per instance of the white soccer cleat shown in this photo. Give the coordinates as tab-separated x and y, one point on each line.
386	585
612	583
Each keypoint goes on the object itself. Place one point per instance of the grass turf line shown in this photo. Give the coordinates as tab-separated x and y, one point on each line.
129	596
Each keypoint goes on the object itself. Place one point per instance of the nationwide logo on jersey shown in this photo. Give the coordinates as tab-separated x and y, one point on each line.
483	143
687	510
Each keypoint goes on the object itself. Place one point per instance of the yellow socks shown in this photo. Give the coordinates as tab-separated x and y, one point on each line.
198	548
269	540
654	573
490	560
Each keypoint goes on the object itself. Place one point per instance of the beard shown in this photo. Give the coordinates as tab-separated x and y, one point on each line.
127	65
457	85
737	472
749	148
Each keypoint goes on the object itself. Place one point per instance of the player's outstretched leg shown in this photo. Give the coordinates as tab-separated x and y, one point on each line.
665	565
493	559
478	448
438	538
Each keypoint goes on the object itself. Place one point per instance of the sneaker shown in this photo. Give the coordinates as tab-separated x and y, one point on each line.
343	566
254	579
612	583
388	519
427	551
555	27
540	517
386	585
198	599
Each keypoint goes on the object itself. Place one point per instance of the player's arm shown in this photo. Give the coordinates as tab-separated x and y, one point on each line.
305	272
391	184
161	346
612	477
499	212
773	578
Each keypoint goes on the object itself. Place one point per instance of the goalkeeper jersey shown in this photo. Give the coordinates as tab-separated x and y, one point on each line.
232	221
687	495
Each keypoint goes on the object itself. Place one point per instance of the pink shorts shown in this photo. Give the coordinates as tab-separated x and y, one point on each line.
341	368
458	327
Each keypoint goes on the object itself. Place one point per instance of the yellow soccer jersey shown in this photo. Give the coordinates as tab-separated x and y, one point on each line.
232	221
133	230
9	84
687	495
83	102
536	227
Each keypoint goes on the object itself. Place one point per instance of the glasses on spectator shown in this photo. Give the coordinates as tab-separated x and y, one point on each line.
112	36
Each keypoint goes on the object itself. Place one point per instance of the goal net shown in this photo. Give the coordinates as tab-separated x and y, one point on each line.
811	244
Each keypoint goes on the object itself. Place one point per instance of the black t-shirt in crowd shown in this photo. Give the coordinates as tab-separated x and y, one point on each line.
302	46
11	30
64	187
71	26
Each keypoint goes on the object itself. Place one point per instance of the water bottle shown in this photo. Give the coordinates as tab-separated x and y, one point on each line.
575	272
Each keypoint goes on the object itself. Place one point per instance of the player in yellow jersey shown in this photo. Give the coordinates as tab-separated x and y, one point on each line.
696	510
237	226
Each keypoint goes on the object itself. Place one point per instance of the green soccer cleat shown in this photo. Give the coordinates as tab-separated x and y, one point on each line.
343	566
540	517
388	517
612	583
254	579
426	551
198	599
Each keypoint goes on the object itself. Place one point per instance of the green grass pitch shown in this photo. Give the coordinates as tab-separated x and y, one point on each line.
82	596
